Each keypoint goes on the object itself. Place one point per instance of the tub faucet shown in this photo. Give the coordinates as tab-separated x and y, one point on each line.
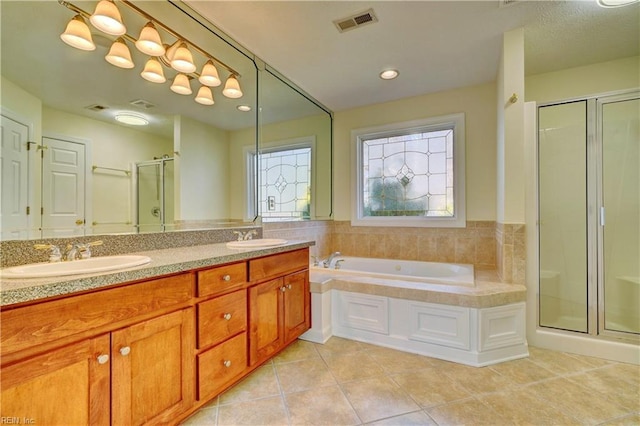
327	263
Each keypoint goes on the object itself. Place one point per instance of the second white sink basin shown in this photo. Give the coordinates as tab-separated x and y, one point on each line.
257	243
84	266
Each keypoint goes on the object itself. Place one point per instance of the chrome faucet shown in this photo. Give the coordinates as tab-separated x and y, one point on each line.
244	236
71	252
327	262
54	251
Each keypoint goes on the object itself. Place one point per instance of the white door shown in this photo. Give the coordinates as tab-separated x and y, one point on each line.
14	221
63	188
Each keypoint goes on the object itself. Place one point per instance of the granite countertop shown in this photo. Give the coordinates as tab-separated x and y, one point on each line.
163	262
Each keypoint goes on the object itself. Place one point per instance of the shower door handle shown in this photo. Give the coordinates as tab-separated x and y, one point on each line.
602	216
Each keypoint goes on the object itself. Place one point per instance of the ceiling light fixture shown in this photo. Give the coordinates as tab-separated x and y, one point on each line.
389	74
244	108
119	54
177	55
616	3
78	35
107	18
131	119
204	96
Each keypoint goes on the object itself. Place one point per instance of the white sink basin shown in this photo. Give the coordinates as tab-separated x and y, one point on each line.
257	243
83	266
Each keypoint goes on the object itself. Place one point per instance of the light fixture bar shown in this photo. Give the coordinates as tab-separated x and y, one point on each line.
144	14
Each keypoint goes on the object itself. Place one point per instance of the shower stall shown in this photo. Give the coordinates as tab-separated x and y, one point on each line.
589	216
154	193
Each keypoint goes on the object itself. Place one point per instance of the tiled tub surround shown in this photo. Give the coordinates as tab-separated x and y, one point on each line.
511	252
319	231
163	262
474	325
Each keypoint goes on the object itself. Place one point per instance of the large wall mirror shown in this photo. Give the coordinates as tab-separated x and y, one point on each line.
192	165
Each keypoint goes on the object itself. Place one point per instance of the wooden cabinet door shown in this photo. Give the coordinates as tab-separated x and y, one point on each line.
297	305
66	386
265	319
153	371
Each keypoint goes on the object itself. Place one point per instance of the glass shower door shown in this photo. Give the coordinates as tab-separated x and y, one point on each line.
562	203
620	214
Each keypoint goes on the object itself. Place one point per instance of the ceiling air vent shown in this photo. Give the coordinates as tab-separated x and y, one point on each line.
96	107
355	21
141	103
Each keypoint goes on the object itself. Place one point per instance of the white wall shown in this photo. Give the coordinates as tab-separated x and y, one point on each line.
478	104
201	172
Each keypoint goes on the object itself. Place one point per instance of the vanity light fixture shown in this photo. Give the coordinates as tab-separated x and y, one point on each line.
232	88
78	35
153	71
389	74
204	96
131	119
181	85
119	54
244	108
149	41
107	18
178	55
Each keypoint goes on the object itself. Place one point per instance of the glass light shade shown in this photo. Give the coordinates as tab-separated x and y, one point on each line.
182	60
232	88
205	97
181	85
209	75
153	71
131	119
149	41
119	54
77	34
107	18
389	74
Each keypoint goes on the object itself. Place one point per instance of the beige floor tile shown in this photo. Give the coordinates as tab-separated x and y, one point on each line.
259	384
338	345
430	387
323	406
378	398
627	372
208	416
558	362
583	403
297	351
302	375
523	408
393	361
478	380
412	419
467	412
268	411
615	390
630	420
353	366
522	371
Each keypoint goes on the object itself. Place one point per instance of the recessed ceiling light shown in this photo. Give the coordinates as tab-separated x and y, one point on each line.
389	74
244	108
131	119
615	3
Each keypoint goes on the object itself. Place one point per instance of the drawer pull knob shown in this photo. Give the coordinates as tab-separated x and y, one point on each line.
283	289
124	351
226	277
289	286
103	359
227	363
227	316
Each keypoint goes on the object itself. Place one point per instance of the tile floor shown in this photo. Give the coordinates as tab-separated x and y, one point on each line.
344	382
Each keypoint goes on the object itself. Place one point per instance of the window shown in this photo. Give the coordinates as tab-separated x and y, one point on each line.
285	181
410	174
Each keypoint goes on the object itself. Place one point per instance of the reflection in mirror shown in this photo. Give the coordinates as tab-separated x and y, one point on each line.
89	174
294	165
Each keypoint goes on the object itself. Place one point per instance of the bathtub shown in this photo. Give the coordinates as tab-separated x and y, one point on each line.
403	270
440	310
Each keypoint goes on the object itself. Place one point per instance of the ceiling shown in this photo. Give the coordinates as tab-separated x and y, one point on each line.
436	45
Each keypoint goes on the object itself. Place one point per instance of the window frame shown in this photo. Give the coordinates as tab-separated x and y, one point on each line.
452	121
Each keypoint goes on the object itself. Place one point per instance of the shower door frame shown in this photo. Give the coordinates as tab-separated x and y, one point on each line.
161	163
595	200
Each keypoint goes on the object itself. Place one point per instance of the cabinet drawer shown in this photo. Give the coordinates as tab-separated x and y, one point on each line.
221	279
220	365
41	323
221	317
278	264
